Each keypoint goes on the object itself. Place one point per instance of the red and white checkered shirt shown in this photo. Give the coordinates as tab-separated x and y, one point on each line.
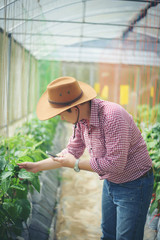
117	150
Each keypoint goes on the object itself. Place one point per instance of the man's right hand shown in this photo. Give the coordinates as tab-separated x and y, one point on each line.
29	166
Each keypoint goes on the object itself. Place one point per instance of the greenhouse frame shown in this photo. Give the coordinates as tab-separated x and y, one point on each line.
114	46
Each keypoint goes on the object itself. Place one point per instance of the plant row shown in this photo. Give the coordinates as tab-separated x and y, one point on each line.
28	144
152	137
148	121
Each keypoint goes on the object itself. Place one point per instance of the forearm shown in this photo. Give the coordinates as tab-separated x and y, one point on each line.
47	164
85	165
69	161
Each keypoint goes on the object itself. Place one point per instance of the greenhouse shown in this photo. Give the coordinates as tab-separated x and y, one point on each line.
106	48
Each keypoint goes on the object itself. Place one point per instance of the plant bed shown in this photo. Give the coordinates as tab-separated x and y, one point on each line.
15	183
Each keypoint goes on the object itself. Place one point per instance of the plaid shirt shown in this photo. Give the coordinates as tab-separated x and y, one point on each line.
117	150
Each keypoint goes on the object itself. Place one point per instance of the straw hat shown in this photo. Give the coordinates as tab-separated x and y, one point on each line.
62	94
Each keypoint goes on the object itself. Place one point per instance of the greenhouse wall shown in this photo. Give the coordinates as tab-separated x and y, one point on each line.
18	83
129	85
126	84
47	72
50	70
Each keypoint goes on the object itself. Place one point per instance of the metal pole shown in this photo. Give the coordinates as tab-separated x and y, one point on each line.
8	81
77	22
28	90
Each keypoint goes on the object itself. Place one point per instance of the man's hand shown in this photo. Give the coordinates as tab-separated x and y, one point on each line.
29	166
67	160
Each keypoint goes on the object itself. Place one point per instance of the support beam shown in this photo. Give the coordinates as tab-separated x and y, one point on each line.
8	81
77	22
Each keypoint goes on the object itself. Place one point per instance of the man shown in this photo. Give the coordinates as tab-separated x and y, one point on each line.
117	151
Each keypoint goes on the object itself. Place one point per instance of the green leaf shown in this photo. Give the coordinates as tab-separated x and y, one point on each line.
158	191
38	144
18	187
157	196
22	153
44	155
17	153
152	144
37	155
24	174
10	167
153	206
15	209
157	164
7	204
5	184
2	163
5	175
25	206
25	159
36	183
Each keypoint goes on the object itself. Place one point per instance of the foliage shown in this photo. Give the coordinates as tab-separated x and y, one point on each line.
152	138
47	72
147	115
15	183
41	131
148	121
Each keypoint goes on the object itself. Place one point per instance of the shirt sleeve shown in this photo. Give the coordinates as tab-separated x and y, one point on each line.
76	146
116	134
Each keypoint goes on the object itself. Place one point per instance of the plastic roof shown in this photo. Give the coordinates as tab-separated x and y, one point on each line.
84	30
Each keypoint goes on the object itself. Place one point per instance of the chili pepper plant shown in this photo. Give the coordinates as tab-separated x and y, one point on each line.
28	144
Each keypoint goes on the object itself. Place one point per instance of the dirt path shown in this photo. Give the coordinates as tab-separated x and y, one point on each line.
79	210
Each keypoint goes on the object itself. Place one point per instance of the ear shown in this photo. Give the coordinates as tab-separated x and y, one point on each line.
78	106
75	108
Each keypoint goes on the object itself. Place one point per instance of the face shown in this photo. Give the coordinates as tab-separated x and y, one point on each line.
70	116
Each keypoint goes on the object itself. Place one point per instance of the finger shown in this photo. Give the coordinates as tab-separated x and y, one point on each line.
58	159
21	165
60	154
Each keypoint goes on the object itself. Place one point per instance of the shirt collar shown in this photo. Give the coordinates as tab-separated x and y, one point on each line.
94	119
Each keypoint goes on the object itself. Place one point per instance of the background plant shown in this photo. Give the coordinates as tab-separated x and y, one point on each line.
152	138
41	131
148	121
147	115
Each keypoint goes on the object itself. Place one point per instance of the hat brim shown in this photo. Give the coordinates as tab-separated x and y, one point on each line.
45	110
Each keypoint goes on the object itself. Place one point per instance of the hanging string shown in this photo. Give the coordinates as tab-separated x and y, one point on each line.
75	126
